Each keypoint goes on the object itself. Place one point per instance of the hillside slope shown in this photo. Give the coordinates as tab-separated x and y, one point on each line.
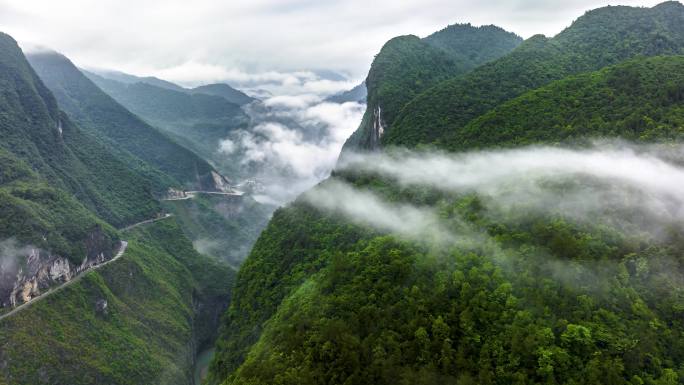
34	130
138	319
599	38
134	321
532	295
197	120
407	65
225	91
102	116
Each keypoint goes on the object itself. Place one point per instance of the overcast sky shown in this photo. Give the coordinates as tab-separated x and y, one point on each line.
202	41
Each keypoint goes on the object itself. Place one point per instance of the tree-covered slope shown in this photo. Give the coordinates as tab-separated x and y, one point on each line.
224	227
407	65
599	38
536	296
197	120
35	131
639	100
125	133
35	213
138	320
473	46
225	91
357	94
545	300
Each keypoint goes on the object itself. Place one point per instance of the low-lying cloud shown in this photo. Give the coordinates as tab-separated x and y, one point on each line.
605	181
637	190
293	143
366	208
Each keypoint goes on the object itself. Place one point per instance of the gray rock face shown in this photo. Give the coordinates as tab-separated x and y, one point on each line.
101	306
35	274
30	275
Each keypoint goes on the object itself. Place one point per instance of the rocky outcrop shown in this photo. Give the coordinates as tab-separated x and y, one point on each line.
26	276
39	272
221	183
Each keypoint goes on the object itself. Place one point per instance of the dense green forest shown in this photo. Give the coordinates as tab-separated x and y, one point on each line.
54	171
35	213
599	38
640	100
407	65
147	333
197	118
534	296
64	189
141	146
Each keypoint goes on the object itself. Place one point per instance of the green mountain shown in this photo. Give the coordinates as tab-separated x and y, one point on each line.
35	131
225	91
357	94
140	318
143	146
122	77
197	120
599	38
639	100
407	66
539	297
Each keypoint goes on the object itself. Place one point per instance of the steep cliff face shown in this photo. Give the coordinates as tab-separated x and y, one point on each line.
408	65
137	320
144	148
28	275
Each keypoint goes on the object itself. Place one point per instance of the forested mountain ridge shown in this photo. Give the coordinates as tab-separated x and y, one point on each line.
197	120
357	94
407	65
218	89
37	132
139	320
105	118
639	100
601	37
225	91
63	193
541	296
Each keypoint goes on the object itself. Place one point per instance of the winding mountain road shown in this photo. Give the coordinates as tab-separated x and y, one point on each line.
192	194
119	254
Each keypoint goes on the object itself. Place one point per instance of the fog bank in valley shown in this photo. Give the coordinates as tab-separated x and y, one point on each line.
292	144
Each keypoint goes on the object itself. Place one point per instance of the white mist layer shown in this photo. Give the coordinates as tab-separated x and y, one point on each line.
366	208
293	144
644	180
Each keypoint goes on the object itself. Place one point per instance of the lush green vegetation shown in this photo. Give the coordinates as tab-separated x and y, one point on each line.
473	46
640	100
197	120
148	332
37	133
540	297
224	227
599	38
63	189
225	91
34	213
549	300
163	162
407	66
